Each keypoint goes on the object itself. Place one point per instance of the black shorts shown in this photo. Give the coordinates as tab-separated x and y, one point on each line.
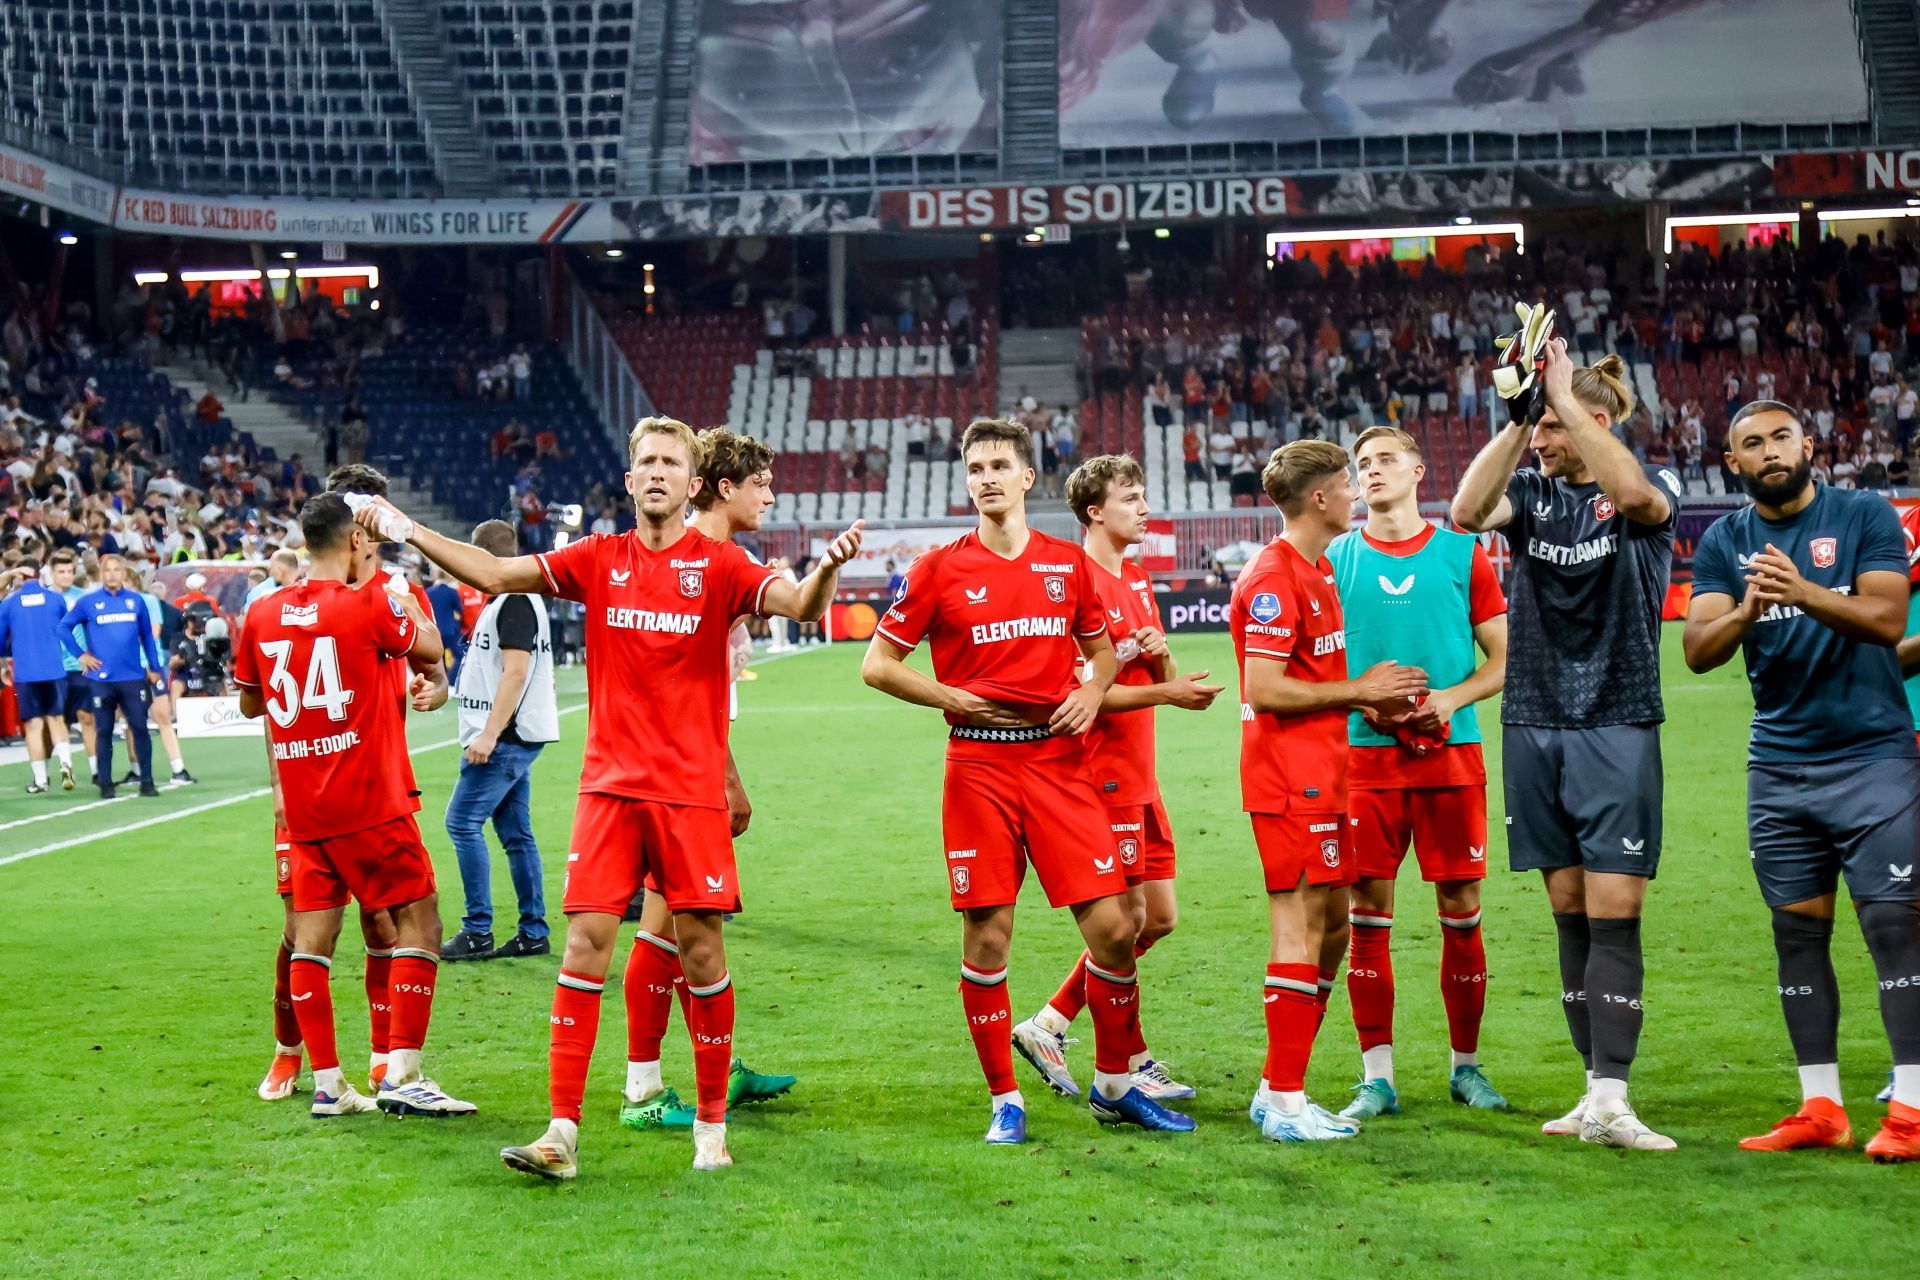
1808	823
79	695
1583	798
40	698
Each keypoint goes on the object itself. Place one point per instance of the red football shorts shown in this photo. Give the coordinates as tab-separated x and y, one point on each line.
282	861
1143	838
1031	802
1447	827
380	867
619	844
1314	845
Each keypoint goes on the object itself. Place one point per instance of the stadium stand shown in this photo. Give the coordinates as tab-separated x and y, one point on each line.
547	84
235	95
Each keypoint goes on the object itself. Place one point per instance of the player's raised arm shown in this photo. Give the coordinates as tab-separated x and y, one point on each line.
1613	466
1481	503
807	600
482	570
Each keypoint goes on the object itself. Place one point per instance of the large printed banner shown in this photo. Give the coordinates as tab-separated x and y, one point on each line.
1145	72
363	221
366	222
809	79
1163	201
53	184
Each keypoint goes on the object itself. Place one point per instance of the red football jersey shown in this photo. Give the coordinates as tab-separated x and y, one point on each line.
1002	629
1910	524
1120	747
400	671
321	655
658	661
1287	610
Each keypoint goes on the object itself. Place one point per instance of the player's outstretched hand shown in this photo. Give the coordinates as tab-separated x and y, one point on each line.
1076	715
846	546
1390	688
420	694
1153	642
982	713
1775	578
1188	692
386	522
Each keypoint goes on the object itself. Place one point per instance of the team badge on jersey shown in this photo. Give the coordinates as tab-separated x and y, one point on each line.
1603	507
1825	552
1129	851
1265	607
962	879
1330	852
1056	588
691	581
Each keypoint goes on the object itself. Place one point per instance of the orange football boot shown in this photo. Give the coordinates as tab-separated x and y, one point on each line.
281	1075
1820	1122
1899	1136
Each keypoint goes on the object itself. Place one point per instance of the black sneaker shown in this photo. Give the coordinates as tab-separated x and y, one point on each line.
106	791
521	945
467	946
147	788
133	775
37	788
183	778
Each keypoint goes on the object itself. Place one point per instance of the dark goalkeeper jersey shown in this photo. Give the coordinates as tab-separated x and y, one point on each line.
1583	617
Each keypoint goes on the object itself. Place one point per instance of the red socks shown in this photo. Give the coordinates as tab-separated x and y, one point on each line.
710	1026
286	1027
1071	998
1463	979
1114	1000
379	997
575	1022
653	979
1370	979
1293	1016
990	1022
312	1001
412	975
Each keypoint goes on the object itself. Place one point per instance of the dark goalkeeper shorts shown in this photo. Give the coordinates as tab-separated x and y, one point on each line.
1583	798
1808	823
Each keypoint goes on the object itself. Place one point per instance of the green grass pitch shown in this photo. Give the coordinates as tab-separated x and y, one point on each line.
134	1024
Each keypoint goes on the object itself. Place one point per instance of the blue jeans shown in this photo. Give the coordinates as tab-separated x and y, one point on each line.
500	789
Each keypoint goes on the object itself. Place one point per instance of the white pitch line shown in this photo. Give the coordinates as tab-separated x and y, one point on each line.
189	812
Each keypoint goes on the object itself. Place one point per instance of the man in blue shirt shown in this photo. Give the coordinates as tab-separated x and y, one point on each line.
118	633
449	615
1810	585
29	636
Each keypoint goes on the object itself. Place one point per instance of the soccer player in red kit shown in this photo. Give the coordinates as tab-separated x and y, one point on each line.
1009	614
1108	495
312	658
1291	643
733	497
660	601
422	684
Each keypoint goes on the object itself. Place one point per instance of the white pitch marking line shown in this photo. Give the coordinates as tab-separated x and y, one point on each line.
189	812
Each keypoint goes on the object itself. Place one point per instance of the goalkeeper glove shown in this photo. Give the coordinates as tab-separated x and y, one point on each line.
1516	375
